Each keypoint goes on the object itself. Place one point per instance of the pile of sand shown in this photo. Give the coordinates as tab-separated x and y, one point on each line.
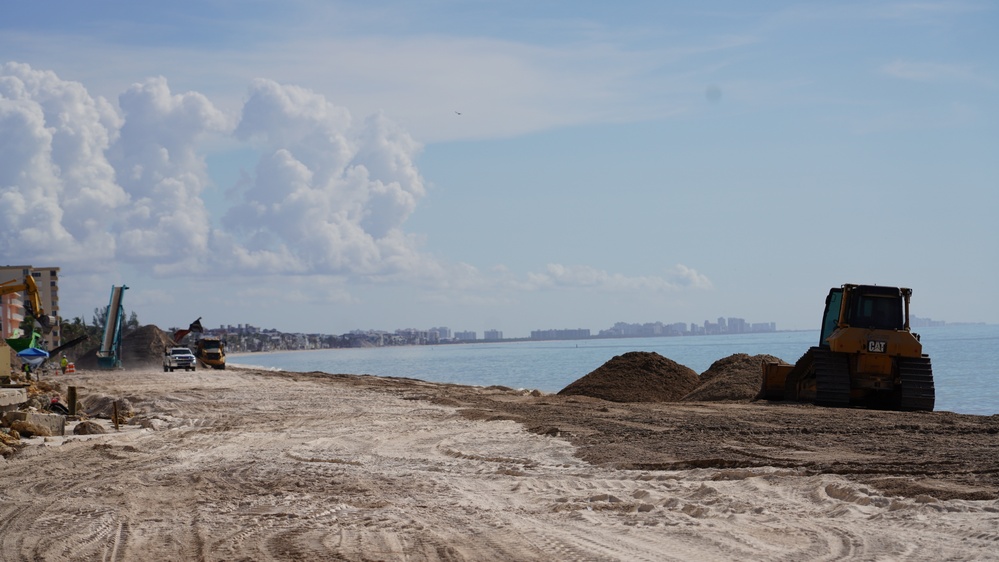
736	377
641	376
636	376
142	347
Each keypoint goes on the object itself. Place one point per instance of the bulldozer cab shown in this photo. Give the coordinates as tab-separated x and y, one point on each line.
866	306
878	308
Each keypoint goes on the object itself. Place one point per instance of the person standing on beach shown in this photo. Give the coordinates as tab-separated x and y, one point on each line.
63	363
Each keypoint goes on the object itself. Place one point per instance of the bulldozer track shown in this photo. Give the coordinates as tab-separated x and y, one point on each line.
800	370
916	375
832	379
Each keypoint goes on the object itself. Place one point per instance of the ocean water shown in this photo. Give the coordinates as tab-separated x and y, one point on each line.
965	360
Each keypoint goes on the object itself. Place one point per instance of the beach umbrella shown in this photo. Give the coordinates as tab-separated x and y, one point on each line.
33	356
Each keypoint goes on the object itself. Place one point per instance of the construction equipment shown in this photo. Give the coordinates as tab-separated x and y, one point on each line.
32	300
109	354
195	326
867	356
33	307
72	343
210	351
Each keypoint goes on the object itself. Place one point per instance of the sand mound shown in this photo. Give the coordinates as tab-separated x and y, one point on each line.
88	427
145	346
636	376
142	347
103	406
736	377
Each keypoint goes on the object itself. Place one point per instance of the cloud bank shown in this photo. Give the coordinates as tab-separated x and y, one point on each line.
89	185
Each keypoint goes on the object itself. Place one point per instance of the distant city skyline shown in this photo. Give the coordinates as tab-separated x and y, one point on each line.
666	330
730	325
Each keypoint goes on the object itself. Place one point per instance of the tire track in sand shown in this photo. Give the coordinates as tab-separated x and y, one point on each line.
272	468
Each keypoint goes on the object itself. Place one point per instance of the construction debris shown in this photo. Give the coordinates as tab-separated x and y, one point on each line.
32	424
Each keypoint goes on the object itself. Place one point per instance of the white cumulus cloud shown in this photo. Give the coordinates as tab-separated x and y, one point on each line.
57	188
327	195
166	224
93	186
90	184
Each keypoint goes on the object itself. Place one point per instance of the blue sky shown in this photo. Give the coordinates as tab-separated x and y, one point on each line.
329	166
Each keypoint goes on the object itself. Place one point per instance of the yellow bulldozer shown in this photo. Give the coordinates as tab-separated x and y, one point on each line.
867	356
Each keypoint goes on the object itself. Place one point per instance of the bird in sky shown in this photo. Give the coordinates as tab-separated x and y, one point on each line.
457	113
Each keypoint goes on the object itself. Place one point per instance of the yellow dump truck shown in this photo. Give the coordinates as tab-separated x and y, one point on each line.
867	356
210	351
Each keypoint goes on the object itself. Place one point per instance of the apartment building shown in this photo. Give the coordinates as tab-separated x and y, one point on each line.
492	335
11	314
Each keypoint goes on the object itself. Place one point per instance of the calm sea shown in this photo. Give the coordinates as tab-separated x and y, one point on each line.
965	360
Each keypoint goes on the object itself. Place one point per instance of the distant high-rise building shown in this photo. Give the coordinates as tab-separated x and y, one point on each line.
443	333
580	333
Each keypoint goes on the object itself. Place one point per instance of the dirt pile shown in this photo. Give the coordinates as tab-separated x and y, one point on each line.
640	376
88	427
636	376
142	347
103	406
736	377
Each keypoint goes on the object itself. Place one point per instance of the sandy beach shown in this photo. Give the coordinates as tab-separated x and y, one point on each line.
252	465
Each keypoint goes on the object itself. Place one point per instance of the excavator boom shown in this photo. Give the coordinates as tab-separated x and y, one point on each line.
195	326
32	300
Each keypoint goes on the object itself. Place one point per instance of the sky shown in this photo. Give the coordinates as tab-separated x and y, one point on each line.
328	166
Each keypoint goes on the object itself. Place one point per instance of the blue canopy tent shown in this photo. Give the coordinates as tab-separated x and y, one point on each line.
33	356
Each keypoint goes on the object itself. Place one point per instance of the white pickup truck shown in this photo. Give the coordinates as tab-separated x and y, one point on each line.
179	358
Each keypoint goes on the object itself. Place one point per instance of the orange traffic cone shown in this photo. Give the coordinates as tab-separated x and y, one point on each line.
70	368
